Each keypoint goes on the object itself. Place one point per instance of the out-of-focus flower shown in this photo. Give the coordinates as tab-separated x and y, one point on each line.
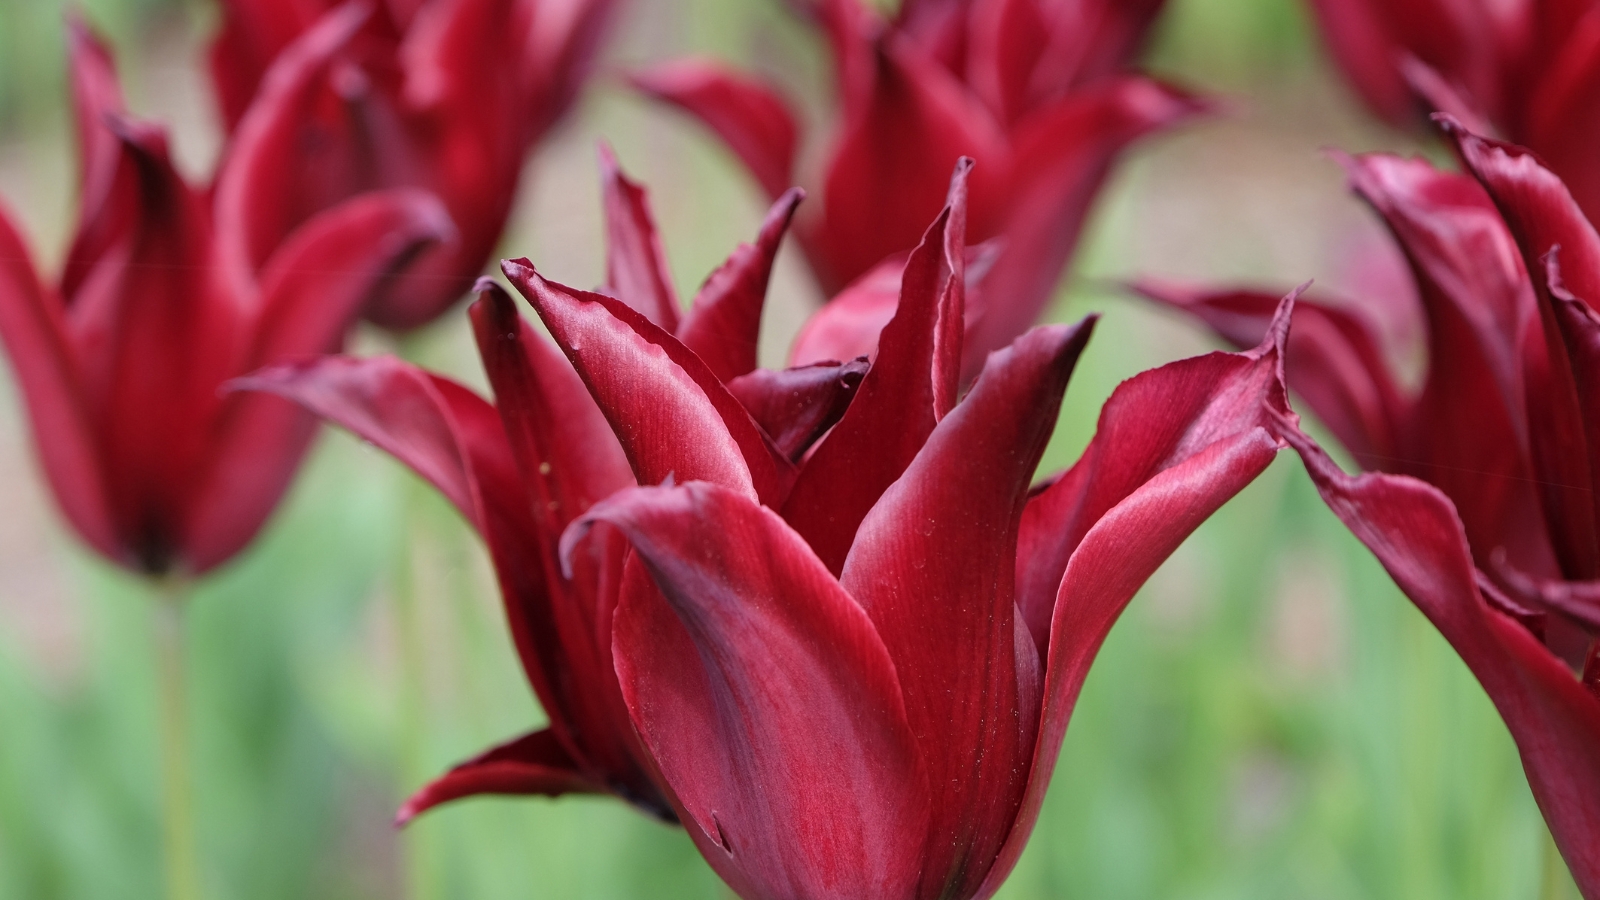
1036	91
444	95
1481	501
121	361
521	470
1527	70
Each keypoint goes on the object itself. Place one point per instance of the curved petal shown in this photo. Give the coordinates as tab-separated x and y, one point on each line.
253	32
849	325
636	263
797	406
751	118
724	325
774	712
934	565
96	94
535	763
312	292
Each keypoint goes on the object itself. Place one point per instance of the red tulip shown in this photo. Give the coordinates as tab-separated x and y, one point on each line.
1481	503
445	95
120	362
1527	70
1037	92
521	470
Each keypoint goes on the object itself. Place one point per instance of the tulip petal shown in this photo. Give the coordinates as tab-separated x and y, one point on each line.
849	325
1359	39
535	763
41	355
767	699
253	32
1173	445
797	406
636	264
724	325
751	118
96	94
1557	121
934	564
312	292
897	405
670	412
1334	360
1413	530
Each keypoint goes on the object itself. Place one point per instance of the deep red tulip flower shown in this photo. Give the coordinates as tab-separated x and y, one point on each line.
1037	92
1528	70
121	361
521	470
445	95
1481	500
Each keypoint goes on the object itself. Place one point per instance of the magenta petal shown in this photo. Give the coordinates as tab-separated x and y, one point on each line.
96	94
532	764
1555	721
849	325
636	264
312	293
669	411
899	400
934	565
724	324
752	119
767	699
796	406
1359	39
1334	361
41	357
1174	444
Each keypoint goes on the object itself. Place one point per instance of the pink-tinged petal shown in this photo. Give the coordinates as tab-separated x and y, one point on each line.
1006	40
1334	360
670	412
1174	444
797	406
934	565
1152	423
1093	40
1061	156
535	763
1556	122
636	264
41	355
1359	39
1554	719
888	173
96	94
560	42
849	325
267	183
724	324
312	293
1478	305
767	699
253	33
898	403
751	118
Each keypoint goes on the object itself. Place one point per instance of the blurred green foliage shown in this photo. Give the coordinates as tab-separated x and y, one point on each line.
1271	718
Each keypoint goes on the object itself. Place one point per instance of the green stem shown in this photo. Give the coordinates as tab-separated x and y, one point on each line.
178	834
1556	881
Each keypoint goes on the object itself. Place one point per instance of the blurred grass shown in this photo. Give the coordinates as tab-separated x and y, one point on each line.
1270	719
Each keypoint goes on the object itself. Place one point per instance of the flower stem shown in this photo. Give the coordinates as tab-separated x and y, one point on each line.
1555	881
178	833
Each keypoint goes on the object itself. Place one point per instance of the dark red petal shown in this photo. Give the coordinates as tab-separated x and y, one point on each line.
1174	444
750	117
535	763
888	172
42	360
671	414
1086	42
636	264
724	325
312	292
1335	361
95	95
1554	719
898	402
849	325
1359	38
796	406
1061	155
1556	123
767	699
1478	305
253	32
934	564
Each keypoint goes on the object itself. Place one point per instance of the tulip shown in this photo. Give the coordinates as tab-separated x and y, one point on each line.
1525	70
1480	496
121	361
443	95
523	468
1037	92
